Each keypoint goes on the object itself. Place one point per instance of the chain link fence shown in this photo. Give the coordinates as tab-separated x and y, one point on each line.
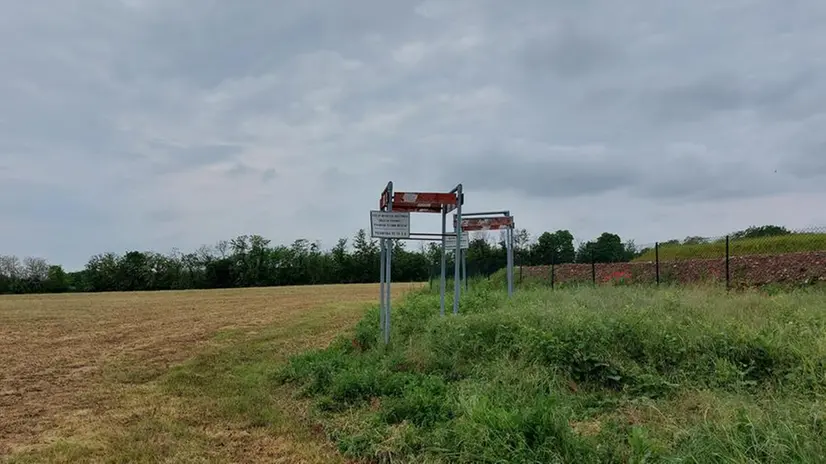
755	257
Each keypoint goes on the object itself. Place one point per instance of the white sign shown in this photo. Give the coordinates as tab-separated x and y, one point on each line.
388	224
450	242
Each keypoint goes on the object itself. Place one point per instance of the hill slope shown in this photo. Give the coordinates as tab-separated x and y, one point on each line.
748	246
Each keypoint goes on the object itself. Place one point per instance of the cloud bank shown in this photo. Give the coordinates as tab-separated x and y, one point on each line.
157	124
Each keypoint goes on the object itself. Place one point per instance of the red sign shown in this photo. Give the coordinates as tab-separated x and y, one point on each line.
496	223
420	202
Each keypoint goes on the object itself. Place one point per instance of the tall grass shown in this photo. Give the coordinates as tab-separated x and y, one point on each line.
748	246
585	375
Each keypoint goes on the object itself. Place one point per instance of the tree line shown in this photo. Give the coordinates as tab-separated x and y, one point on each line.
252	261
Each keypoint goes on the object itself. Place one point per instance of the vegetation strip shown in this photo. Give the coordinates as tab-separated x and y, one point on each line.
252	261
614	374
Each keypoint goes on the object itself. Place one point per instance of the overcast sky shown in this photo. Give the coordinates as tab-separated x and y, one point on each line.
143	124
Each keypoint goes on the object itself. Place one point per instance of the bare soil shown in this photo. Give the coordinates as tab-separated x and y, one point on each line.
744	271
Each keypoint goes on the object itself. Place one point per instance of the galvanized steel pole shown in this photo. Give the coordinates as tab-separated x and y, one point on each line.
464	267
509	247
456	276
381	286
389	271
442	282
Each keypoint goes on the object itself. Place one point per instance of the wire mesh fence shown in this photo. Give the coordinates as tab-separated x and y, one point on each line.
754	257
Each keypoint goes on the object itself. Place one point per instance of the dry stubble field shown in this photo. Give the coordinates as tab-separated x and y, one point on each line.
79	372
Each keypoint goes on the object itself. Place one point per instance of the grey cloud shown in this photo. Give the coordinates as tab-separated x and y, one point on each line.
162	216
570	53
701	99
553	177
808	163
240	169
695	100
269	175
688	179
571	173
776	93
335	177
32	202
166	158
797	97
252	37
106	105
63	118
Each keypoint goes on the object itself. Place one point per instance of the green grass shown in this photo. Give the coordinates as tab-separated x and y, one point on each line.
799	242
608	374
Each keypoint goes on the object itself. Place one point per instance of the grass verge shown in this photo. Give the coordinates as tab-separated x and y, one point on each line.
610	374
792	243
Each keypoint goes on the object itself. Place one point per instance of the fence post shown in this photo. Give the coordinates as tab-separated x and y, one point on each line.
728	275
657	261
552	270
593	269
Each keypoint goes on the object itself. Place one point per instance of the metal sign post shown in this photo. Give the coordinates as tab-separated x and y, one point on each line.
392	222
443	276
493	220
510	261
450	245
387	225
464	268
457	276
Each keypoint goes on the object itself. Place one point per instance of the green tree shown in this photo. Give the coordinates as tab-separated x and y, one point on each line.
57	280
133	272
257	258
101	273
484	258
607	248
557	248
693	240
342	266
761	231
521	247
365	257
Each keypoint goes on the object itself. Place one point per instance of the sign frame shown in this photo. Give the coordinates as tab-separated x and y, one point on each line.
487	221
417	202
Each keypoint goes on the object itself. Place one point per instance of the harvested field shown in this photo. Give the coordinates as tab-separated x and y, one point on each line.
78	369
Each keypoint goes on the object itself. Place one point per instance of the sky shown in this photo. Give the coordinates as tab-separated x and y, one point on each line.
162	124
